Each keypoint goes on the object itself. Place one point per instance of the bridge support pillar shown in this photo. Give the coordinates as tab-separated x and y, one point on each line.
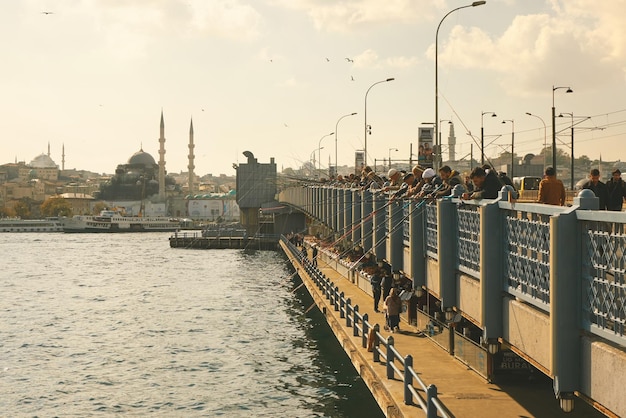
491	274
356	216
565	305
347	215
447	244
395	226
379	227
417	222
367	207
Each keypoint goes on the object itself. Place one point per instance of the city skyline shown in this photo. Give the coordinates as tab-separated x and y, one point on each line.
275	76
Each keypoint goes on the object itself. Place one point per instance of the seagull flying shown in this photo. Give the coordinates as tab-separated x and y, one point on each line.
47	13
327	60
349	60
352	78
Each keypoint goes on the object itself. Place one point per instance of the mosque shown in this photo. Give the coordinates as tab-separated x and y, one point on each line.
142	177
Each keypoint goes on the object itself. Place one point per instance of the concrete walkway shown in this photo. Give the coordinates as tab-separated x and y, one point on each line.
461	390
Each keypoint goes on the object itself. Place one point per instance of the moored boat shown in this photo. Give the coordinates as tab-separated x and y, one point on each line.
111	221
31	225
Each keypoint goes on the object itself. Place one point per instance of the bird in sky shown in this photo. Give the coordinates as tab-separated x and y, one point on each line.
349	60
47	13
352	78
285	125
327	60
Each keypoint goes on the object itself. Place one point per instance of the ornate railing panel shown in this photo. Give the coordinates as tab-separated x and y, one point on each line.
604	279
527	261
431	229
469	239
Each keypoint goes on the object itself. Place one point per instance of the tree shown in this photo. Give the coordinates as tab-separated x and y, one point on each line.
99	207
56	206
22	208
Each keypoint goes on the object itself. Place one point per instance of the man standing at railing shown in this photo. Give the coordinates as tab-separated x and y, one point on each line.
616	188
551	189
597	187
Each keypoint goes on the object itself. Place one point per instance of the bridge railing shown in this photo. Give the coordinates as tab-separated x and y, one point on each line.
372	339
525	248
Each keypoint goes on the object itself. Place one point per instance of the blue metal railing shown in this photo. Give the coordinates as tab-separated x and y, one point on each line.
525	255
381	346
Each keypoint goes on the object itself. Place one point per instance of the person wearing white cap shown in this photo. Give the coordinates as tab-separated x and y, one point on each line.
431	183
395	179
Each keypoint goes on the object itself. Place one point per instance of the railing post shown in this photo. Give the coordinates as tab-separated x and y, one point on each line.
348	308
365	330
376	353
491	268
366	222
395	228
408	380
356	216
336	296
447	240
565	302
342	304
380	227
355	321
417	243
431	393
390	357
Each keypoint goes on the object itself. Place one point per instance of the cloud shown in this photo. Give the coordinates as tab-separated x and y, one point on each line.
582	41
370	59
346	15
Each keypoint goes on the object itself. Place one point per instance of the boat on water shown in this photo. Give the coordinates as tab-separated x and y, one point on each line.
31	225
112	221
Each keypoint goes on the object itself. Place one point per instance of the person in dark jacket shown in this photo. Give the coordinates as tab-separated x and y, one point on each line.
387	284
486	185
616	189
597	187
376	281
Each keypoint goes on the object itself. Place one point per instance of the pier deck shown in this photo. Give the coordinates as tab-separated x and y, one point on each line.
461	390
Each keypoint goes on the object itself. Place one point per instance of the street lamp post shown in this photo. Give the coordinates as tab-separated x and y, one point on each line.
391	149
572	143
511	174
568	90
365	115
336	129
319	152
544	138
482	135
312	156
474	4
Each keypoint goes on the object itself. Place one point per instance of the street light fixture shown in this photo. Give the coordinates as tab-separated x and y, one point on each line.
544	138
474	4
336	129
391	149
319	150
365	124
568	90
511	174
482	135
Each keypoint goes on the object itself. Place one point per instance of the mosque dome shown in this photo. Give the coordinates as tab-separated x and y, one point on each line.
42	161
141	157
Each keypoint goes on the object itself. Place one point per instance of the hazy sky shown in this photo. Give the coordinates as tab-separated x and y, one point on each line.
271	77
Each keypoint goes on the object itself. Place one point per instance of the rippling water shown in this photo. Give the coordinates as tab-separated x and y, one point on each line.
99	324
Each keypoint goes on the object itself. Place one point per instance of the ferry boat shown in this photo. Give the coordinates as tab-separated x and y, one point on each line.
31	225
112	221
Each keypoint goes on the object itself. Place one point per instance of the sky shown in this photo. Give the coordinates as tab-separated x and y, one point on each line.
275	77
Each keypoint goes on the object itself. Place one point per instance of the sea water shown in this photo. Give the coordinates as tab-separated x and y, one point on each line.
121	324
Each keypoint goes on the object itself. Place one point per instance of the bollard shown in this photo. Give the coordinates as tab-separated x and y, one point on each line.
431	393
355	321
376	344
365	331
342	304
336	298
348	309
390	357
408	380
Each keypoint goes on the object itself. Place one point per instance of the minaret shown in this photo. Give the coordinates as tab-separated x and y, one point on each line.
191	157
162	159
48	148
63	158
451	143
